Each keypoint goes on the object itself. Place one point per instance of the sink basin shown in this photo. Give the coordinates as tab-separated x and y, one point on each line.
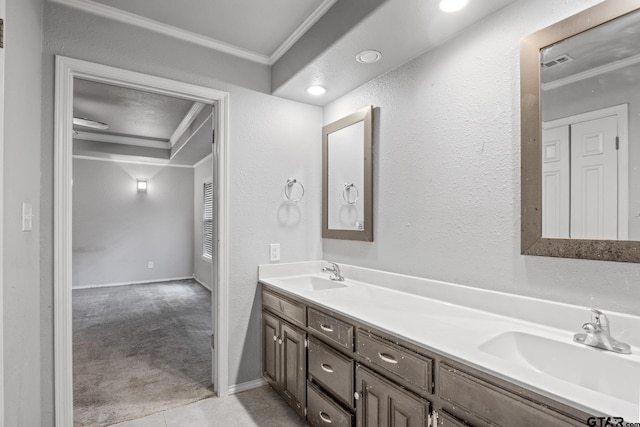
313	283
591	368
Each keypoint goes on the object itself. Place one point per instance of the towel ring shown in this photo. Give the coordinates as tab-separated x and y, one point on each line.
347	190
287	189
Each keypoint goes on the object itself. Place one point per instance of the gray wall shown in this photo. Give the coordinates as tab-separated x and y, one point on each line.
271	139
117	231
21	255
201	267
447	171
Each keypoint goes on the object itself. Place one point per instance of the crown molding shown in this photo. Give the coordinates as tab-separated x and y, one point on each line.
110	12
191	115
303	28
120	139
167	30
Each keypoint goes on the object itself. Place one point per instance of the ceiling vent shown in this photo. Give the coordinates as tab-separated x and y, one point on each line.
557	61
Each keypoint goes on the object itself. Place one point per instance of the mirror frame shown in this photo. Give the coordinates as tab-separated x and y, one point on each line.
532	242
364	115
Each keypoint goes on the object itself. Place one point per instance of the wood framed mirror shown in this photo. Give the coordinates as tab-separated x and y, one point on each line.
347	179
580	135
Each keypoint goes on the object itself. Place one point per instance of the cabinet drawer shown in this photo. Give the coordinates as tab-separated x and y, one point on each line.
322	411
410	366
333	329
467	394
332	370
283	307
446	420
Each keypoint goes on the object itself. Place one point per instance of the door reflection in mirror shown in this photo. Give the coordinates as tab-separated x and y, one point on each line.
590	105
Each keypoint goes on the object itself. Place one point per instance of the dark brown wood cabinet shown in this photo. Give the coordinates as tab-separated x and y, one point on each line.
382	403
354	374
284	360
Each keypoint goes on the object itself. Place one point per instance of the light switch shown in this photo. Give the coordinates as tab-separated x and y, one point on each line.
27	216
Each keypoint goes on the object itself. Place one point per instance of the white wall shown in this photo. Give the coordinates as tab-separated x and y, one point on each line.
271	139
117	230
21	256
447	171
202	268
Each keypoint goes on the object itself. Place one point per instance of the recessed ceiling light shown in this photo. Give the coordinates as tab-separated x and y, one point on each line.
316	90
452	5
368	56
88	123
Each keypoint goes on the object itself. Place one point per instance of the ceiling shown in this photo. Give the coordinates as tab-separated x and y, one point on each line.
304	41
144	125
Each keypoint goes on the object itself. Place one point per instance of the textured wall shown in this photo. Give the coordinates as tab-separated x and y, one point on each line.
117	231
270	140
21	255
447	171
201	267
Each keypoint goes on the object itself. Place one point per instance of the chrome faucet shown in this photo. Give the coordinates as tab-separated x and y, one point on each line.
335	269
598	334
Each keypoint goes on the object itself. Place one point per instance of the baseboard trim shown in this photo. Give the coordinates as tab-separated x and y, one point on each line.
202	283
249	385
106	285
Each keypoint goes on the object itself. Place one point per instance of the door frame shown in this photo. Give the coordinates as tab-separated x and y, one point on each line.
2	73
66	70
622	113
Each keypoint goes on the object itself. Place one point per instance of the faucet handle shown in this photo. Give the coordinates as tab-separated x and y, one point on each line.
599	318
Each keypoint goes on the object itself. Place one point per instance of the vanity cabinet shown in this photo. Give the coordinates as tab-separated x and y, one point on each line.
382	403
352	374
284	360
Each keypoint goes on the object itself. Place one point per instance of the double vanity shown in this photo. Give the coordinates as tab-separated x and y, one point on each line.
380	348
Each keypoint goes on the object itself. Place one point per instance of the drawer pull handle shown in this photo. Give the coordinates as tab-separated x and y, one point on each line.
387	358
326	368
326	328
325	417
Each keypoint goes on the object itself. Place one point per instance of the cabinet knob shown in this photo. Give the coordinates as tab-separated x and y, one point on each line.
356	395
275	338
279	340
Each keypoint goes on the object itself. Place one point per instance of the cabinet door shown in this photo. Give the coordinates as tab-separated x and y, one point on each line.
270	348
293	367
384	404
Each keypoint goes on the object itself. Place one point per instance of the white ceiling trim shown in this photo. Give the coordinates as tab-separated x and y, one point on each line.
131	162
167	30
125	140
204	159
299	32
191	136
592	72
208	42
191	115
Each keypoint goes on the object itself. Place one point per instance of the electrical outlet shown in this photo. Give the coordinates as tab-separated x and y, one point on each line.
27	216
274	252
150	264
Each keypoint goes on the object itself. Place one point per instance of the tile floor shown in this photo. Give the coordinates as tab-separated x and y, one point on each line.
258	407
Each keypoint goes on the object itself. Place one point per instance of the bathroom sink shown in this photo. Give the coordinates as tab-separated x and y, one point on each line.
598	370
313	283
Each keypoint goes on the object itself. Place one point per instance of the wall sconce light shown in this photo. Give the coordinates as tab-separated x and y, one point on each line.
142	186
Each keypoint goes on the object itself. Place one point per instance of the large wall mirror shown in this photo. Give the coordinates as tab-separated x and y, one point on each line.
580	88
347	182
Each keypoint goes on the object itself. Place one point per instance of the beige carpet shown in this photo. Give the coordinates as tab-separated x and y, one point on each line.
139	349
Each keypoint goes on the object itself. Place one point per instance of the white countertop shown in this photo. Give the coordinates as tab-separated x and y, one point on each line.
461	319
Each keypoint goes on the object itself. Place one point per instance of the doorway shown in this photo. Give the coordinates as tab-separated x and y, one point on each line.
68	69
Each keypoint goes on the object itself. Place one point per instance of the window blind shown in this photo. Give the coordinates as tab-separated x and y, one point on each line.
207	227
